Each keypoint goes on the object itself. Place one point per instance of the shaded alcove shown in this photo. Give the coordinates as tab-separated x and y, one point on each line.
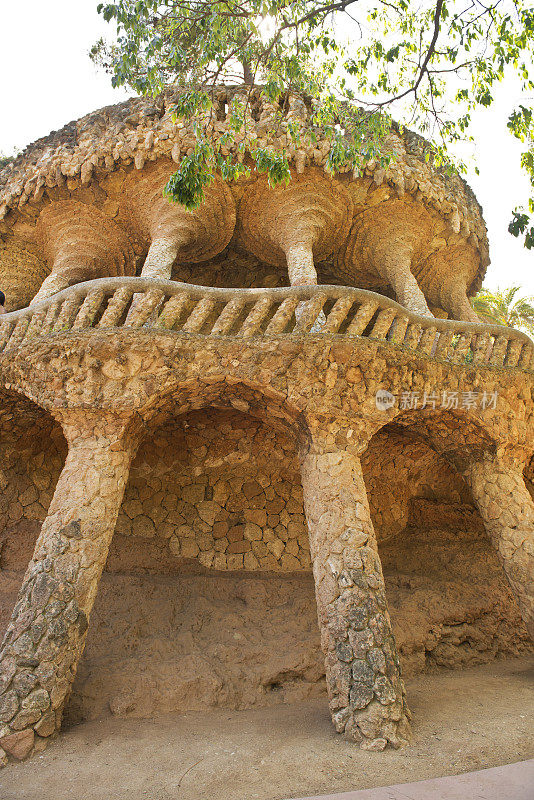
207	598
186	619
235	268
449	598
33	451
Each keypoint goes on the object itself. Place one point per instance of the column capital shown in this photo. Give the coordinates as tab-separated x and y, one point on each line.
506	457
80	424
333	435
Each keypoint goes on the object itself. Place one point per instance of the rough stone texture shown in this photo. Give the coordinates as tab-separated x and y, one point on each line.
508	513
113	164
296	224
80	243
254	641
222	388
46	633
222	488
172	233
366	692
293	384
18	745
399	468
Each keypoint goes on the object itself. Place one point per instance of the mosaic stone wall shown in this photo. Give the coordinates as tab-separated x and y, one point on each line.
220	487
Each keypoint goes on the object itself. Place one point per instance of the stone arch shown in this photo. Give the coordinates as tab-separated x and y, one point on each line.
258	399
455	434
448	597
162	631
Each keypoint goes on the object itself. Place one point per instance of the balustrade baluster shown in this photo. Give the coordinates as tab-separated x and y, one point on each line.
228	316
338	314
444	344
526	356
500	346
383	323
428	340
67	314
18	333
51	314
88	310
199	315
462	348
398	330
362	318
481	348
514	351
5	332
413	335
308	313
172	310
142	307
115	307
255	317
281	318
36	324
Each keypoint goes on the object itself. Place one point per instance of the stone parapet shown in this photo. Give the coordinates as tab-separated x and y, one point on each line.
326	311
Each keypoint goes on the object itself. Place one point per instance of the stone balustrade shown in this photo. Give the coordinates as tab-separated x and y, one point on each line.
341	311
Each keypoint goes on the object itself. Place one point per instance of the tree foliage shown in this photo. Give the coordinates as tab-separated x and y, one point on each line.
505	307
429	63
5	160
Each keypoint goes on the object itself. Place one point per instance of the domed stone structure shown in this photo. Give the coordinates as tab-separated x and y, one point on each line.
287	379
413	231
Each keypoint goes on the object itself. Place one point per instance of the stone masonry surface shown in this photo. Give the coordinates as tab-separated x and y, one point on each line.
242	434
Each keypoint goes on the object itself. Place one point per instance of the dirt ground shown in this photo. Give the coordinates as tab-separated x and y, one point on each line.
463	720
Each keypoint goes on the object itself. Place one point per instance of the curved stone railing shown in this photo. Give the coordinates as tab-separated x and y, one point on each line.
113	303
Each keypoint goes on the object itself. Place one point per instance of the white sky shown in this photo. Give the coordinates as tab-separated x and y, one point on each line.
48	80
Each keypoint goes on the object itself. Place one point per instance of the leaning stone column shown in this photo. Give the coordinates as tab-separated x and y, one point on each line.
456	301
366	691
80	244
46	634
507	509
393	258
173	232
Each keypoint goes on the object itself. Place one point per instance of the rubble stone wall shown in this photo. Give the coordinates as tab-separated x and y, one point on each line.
33	451
220	487
216	486
176	628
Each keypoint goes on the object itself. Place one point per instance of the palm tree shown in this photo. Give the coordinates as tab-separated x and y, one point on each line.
502	307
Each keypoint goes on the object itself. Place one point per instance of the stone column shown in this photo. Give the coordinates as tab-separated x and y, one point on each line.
161	256
393	259
300	266
46	634
507	509
301	270
452	297
386	241
366	691
80	243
